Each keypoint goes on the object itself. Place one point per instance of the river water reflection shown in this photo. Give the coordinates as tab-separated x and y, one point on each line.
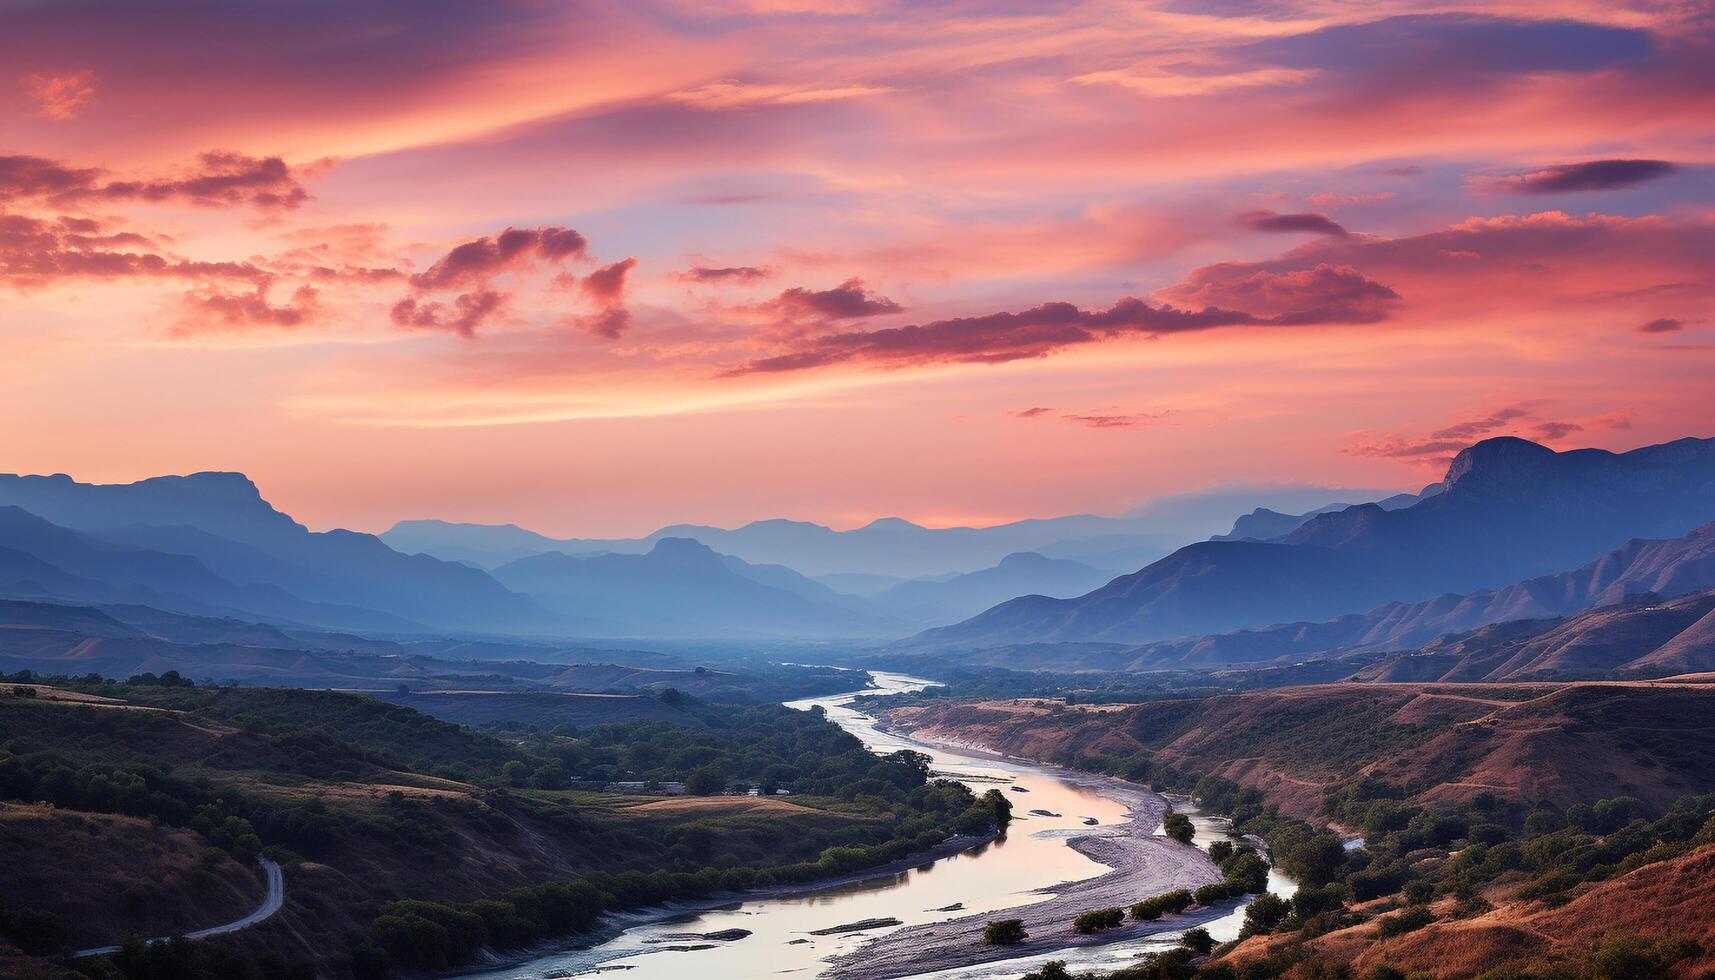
1000	875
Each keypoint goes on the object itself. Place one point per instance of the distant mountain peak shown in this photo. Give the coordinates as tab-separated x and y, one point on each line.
1024	559
891	524
686	550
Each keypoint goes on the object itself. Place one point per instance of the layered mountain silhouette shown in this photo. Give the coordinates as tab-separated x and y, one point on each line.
1510	509
1644	636
208	542
949	599
1671	567
892	546
684	588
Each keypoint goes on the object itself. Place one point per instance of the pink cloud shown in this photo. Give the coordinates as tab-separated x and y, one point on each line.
212	308
61	97
607	284
468	312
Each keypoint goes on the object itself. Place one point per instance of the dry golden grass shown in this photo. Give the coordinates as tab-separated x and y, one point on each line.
712	806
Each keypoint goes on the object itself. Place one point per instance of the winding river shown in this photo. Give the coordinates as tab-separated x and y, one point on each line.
670	945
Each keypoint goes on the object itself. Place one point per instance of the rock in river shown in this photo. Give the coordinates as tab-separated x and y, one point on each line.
858	926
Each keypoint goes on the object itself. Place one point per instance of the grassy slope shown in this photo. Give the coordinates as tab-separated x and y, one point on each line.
398	806
1449	743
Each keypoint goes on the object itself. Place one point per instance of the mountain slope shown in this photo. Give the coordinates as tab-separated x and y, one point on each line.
1264	524
1023	573
681	588
1554	743
222	520
1510	509
1644	636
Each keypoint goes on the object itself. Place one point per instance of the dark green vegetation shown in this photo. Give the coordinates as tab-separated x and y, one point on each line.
1098	919
410	843
1178	826
1005	932
1171	903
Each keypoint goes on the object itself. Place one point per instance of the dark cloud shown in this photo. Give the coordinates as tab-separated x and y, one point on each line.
1473	428
1324	294
468	312
1442	49
1593	175
1310	221
607	284
1030	413
1557	430
849	300
221	178
731	273
474	263
1408	170
211	309
995	338
1662	325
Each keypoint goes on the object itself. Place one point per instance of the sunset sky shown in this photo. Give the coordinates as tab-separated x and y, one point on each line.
593	268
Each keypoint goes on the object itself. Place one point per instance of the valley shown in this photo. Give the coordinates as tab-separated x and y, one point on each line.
668	755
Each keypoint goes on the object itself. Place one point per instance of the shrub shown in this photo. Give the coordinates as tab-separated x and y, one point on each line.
1220	891
1171	903
1097	919
1005	932
1415	917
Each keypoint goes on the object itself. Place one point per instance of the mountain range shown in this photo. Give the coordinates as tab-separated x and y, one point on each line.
1671	567
896	548
209	542
1509	509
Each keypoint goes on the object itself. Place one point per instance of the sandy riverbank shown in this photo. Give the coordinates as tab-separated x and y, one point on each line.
1143	865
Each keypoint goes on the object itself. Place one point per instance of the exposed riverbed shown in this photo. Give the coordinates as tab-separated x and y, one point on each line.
923	921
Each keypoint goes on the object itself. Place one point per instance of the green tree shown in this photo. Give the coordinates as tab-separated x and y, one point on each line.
706	781
1197	941
515	773
1264	913
1178	826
